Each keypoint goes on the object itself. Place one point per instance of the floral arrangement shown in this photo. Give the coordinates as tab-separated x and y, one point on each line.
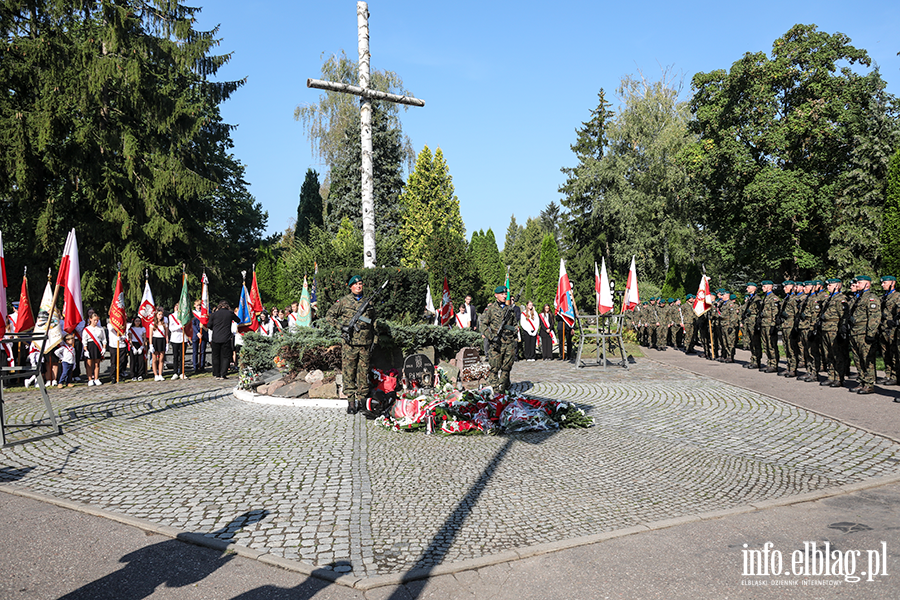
247	377
451	412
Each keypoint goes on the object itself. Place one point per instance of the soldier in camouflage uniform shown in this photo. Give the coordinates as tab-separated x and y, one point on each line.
355	354
809	312
787	318
690	324
501	336
730	316
749	324
834	344
768	318
865	319
890	316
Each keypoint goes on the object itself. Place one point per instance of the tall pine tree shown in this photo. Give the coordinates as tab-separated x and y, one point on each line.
890	228
548	278
309	210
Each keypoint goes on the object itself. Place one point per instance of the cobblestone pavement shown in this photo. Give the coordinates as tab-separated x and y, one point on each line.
316	485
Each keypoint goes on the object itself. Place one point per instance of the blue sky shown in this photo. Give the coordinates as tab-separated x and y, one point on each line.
506	84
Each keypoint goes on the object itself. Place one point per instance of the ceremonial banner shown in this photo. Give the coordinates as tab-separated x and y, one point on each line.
429	304
204	301
4	315
184	305
117	308
565	305
256	304
304	317
70	279
147	307
704	300
632	298
25	320
246	322
601	287
47	324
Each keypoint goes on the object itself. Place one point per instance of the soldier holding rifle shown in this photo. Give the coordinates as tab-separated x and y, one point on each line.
498	327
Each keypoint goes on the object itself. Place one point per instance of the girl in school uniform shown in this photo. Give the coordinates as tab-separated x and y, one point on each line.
137	337
93	338
66	354
176	338
159	334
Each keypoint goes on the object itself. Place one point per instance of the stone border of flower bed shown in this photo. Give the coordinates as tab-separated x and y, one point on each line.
248	396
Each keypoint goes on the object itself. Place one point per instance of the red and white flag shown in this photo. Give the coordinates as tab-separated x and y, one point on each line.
446	306
204	300
565	304
4	315
70	279
117	308
601	287
147	307
704	300
25	320
632	298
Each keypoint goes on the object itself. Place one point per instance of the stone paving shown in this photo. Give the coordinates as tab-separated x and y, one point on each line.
317	485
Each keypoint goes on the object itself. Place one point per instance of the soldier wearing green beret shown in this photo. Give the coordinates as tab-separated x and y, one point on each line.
806	321
890	316
500	331
355	351
834	345
768	318
751	326
865	320
690	322
786	319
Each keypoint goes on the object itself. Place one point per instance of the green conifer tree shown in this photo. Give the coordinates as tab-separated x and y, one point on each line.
549	272
890	228
309	210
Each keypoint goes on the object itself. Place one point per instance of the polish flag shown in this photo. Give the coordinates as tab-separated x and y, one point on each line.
601	287
704	300
70	279
632	298
4	315
446	306
565	305
147	307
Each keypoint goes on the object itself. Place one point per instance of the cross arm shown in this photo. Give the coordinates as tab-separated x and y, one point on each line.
330	86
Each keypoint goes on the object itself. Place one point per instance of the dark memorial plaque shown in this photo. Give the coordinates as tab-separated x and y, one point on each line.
418	369
466	357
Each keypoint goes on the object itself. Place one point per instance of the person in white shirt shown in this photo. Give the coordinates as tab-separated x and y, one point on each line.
530	325
94	340
118	353
176	338
266	325
137	338
462	317
159	335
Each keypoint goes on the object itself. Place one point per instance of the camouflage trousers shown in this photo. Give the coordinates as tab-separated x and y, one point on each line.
836	356
753	343
890	351
809	351
791	351
355	371
690	339
864	357
501	361
769	337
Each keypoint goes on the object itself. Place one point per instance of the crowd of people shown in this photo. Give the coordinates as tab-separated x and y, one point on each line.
820	328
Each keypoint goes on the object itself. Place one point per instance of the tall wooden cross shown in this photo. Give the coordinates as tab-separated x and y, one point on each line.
365	112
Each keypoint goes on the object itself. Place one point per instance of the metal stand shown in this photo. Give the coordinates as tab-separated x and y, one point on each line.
601	328
8	373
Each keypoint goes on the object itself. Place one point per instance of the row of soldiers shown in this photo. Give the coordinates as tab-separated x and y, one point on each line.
818	323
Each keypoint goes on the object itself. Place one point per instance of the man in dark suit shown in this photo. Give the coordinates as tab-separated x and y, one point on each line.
473	314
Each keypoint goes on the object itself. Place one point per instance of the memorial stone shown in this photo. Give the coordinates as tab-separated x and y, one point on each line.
418	369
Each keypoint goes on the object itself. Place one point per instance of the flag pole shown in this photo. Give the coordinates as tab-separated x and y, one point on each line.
183	279
118	347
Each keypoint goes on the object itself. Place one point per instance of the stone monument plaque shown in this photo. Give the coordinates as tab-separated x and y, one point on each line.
418	369
466	357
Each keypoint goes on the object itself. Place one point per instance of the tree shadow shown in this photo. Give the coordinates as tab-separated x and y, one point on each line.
172	563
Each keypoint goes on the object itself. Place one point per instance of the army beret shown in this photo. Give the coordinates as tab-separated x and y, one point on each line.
354	279
808	282
671	300
786	282
733	297
863	278
768	282
832	280
750	283
888	278
690	297
500	289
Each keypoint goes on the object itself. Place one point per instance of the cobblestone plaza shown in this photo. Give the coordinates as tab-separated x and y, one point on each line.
335	491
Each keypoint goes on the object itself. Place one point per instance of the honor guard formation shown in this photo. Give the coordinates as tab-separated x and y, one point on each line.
819	324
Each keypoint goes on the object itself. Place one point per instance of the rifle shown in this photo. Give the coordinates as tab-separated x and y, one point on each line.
495	341
817	328
352	327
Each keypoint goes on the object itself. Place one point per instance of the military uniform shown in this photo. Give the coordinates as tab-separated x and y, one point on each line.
865	319
749	320
769	311
833	344
355	353
787	317
890	316
730	324
809	351
690	322
502	350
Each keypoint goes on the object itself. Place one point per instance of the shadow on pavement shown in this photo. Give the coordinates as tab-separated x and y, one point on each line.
8	474
172	563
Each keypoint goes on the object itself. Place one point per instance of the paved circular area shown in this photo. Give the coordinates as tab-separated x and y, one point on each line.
316	485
